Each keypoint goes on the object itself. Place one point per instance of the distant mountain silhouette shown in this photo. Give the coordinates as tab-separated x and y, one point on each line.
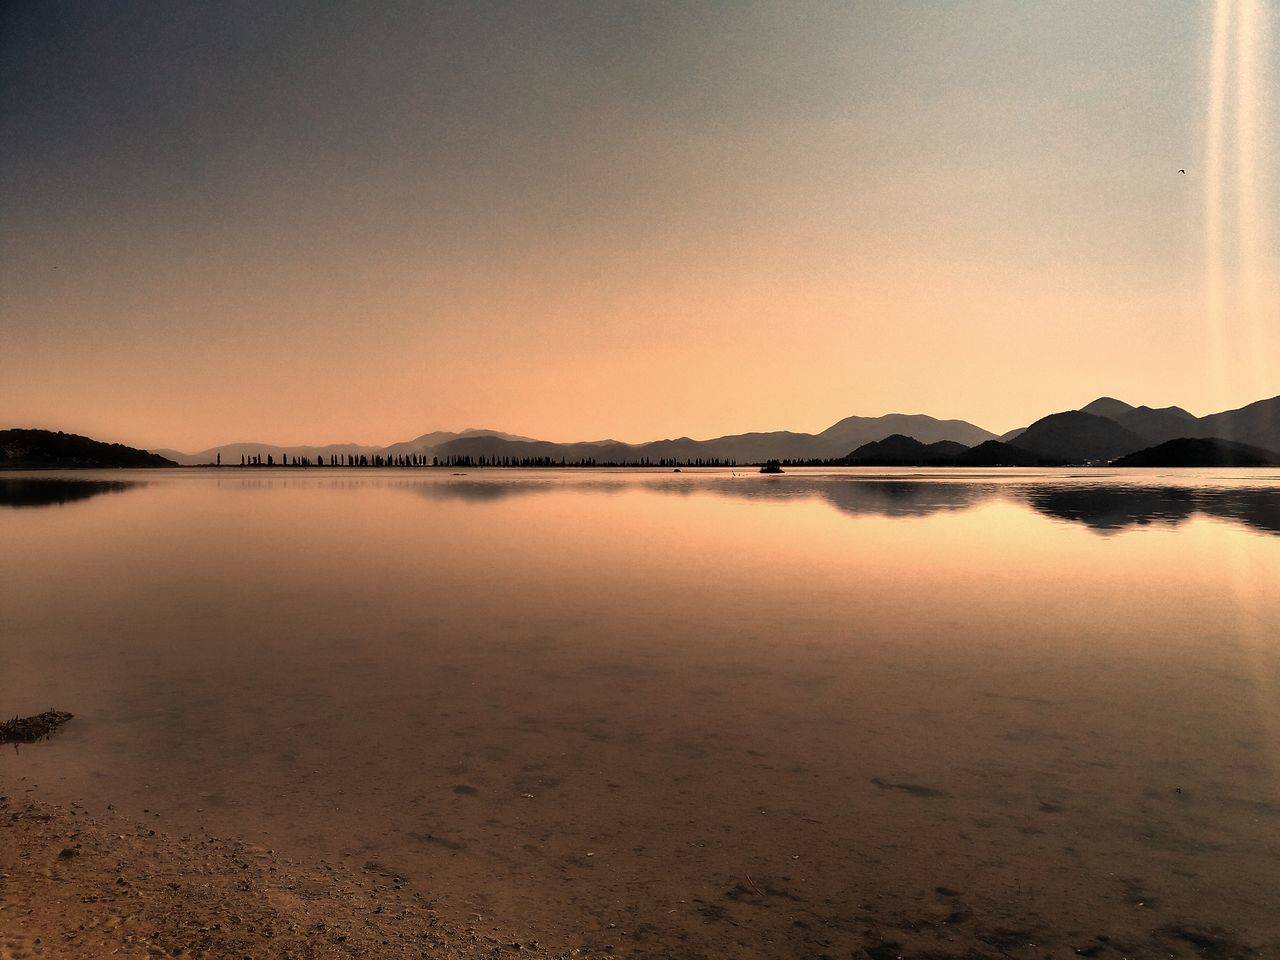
1257	424
900	451
1103	430
851	432
1200	452
1157	426
993	453
429	443
833	443
50	492
1078	437
232	452
45	449
1108	407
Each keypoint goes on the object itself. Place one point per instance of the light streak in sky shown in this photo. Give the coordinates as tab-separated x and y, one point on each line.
1234	265
1215	306
1250	211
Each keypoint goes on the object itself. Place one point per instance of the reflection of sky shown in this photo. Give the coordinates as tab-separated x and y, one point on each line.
1100	506
289	657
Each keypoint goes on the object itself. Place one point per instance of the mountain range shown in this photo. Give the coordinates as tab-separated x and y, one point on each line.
1101	431
834	442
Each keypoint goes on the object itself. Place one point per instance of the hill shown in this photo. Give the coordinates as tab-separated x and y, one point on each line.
1079	437
851	432
1200	452
833	443
1257	424
46	450
1108	407
1159	425
902	451
1100	431
994	453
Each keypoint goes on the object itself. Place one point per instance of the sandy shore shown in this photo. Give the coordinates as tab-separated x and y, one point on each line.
75	885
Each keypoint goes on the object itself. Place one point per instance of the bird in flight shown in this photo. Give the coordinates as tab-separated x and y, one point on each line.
1182	171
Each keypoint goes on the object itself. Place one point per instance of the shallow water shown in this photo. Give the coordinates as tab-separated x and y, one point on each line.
685	714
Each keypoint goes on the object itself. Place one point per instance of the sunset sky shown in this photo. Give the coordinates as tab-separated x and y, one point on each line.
322	222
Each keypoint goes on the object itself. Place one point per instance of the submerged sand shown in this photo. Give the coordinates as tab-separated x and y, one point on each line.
75	885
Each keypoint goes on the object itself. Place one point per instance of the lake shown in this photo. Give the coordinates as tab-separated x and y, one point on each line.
695	714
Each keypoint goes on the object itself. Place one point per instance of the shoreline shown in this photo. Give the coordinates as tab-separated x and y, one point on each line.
80	885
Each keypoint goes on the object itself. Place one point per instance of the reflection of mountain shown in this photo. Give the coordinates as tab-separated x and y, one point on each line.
28	492
489	491
1104	507
883	498
1111	508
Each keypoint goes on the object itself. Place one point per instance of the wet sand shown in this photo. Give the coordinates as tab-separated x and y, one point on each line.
75	885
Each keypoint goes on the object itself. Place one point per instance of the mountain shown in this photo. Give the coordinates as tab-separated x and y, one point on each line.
831	444
232	452
1108	407
1101	430
1257	424
1200	452
428	443
1159	425
994	453
45	449
903	451
851	432
1079	437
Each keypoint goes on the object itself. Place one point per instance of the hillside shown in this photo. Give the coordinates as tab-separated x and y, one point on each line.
1100	431
1257	424
47	450
1200	452
1078	437
994	453
903	451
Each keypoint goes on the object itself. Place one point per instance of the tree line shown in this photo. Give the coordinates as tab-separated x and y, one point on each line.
412	460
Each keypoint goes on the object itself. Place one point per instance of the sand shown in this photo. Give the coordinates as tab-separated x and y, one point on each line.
75	885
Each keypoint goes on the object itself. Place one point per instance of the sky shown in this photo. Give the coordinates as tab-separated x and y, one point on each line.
359	222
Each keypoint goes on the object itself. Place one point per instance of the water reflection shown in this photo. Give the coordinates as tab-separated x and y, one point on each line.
1105	508
858	497
488	491
1111	508
46	492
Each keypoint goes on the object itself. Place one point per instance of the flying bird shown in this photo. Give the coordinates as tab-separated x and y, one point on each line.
1182	171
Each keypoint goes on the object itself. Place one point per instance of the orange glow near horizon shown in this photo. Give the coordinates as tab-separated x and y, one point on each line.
744	217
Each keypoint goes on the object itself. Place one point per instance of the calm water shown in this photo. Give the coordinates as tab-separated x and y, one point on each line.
685	714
